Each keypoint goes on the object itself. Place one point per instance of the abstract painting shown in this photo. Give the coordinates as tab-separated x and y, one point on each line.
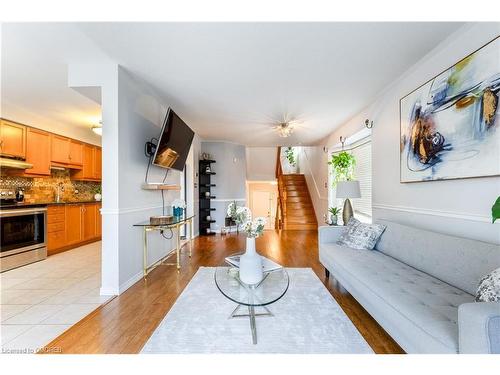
450	126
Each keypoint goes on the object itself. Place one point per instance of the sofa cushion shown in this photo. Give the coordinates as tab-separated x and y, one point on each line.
358	235
489	287
429	303
457	261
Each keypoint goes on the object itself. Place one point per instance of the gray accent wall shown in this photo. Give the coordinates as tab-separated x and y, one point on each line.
230	178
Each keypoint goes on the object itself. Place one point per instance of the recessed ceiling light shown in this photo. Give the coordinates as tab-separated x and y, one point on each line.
97	128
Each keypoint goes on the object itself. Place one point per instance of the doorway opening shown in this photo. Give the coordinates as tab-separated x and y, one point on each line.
262	200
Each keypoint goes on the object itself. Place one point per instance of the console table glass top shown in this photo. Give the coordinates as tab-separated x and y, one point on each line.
176	220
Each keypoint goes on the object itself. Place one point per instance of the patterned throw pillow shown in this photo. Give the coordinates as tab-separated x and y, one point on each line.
358	235
489	287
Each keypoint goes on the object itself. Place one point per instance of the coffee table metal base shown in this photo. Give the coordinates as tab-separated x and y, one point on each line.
252	315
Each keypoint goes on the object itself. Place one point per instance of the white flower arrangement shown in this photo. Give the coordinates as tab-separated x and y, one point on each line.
179	203
243	216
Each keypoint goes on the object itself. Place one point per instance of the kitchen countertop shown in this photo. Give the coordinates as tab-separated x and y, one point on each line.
50	203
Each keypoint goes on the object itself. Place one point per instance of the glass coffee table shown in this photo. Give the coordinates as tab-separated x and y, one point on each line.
272	287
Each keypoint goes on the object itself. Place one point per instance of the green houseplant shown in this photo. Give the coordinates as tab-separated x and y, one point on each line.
290	156
334	212
342	166
495	210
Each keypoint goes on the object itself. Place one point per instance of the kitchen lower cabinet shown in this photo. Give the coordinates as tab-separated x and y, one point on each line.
89	224
71	225
74	227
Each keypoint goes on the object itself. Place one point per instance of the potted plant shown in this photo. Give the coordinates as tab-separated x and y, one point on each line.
495	210
178	207
97	193
250	262
342	166
334	212
291	160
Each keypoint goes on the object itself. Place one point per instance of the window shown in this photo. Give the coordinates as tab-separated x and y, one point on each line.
363	173
362	151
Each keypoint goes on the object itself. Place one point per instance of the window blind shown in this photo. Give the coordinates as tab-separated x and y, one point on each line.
363	173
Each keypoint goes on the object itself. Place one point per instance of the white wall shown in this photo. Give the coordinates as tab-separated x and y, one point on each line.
458	207
132	114
195	153
313	165
141	115
261	163
230	178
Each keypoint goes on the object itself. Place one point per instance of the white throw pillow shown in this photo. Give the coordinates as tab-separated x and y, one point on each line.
489	287
358	235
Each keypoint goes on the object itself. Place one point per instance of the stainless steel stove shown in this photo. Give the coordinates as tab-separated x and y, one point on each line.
23	232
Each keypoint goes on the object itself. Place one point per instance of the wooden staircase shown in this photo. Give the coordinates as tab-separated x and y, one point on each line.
295	208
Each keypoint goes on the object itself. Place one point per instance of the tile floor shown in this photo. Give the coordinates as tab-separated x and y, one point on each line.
41	300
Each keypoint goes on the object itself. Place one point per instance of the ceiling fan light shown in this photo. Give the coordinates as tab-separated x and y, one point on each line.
285	129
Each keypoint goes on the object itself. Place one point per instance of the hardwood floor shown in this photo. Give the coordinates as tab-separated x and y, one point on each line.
125	323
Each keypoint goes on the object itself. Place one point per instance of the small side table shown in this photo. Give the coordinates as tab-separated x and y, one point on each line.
176	224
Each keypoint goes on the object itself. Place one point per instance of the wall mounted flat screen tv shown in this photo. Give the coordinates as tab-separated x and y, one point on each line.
174	143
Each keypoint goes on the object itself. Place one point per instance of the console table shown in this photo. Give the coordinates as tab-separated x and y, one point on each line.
176	225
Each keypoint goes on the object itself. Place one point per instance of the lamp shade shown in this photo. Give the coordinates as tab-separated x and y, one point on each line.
348	189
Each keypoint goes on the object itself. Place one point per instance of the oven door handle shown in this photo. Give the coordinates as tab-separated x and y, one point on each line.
19	212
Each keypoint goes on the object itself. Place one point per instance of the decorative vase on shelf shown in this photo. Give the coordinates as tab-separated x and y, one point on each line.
251	264
334	219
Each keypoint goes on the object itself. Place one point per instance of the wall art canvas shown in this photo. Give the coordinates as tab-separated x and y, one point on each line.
450	126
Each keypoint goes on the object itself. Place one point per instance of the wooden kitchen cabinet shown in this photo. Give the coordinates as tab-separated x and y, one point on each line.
74	224
56	224
88	170
98	221
12	139
89	221
60	149
75	152
98	163
38	152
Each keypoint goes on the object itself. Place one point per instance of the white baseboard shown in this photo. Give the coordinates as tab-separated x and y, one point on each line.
108	291
127	284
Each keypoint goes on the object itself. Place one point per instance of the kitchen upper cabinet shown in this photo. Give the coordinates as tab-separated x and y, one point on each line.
60	149
98	163
12	139
91	169
74	227
38	152
89	221
75	152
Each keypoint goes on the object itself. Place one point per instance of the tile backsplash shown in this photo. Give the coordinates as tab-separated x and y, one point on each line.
43	189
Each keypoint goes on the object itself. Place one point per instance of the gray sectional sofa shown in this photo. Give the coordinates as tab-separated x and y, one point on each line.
420	286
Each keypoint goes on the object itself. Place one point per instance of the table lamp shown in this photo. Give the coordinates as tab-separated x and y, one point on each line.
347	189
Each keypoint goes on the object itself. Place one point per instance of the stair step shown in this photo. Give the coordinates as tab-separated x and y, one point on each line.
294	193
308	212
301	220
298	199
290	206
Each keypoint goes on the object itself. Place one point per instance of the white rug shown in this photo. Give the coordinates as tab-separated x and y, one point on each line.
306	320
